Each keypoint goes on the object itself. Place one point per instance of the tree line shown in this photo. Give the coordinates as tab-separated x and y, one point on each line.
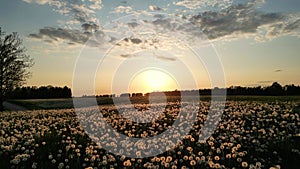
273	90
47	92
43	92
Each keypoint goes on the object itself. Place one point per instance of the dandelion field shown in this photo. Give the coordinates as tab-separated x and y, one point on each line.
251	134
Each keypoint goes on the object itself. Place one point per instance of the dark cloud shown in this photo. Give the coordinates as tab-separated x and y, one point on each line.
166	58
164	23
133	24
90	27
69	36
278	70
133	40
159	16
265	81
125	55
236	19
55	34
136	40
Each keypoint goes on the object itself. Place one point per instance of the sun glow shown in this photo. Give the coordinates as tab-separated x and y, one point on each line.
152	80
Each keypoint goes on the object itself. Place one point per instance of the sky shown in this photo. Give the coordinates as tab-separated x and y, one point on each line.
101	47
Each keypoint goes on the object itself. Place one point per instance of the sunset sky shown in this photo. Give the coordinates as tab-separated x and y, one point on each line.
257	41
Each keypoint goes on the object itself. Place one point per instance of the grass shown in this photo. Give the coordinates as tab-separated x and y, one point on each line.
65	103
38	104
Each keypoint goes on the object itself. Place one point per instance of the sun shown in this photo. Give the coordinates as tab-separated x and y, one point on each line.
152	80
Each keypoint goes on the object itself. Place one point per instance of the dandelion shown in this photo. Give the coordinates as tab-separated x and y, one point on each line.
60	165
193	162
168	159
127	163
217	165
258	164
34	165
50	157
244	164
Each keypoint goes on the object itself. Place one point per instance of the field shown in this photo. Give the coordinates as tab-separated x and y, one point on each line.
254	132
67	103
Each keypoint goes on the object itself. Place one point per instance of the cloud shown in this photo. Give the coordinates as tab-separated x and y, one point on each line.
123	9
136	40
154	8
232	21
81	11
69	36
90	27
242	20
265	81
166	58
132	24
278	70
196	4
41	2
55	34
126	55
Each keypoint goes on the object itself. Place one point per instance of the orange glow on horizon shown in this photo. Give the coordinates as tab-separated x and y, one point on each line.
152	80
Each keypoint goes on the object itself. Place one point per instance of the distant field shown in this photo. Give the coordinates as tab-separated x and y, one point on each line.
37	104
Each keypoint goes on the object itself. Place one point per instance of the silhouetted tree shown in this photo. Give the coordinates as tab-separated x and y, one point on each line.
275	89
13	64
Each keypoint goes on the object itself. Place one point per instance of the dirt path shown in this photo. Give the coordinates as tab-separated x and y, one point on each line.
13	107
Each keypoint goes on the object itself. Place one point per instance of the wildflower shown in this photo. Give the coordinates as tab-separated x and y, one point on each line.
244	164
60	165
193	162
34	165
127	163
50	157
217	165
